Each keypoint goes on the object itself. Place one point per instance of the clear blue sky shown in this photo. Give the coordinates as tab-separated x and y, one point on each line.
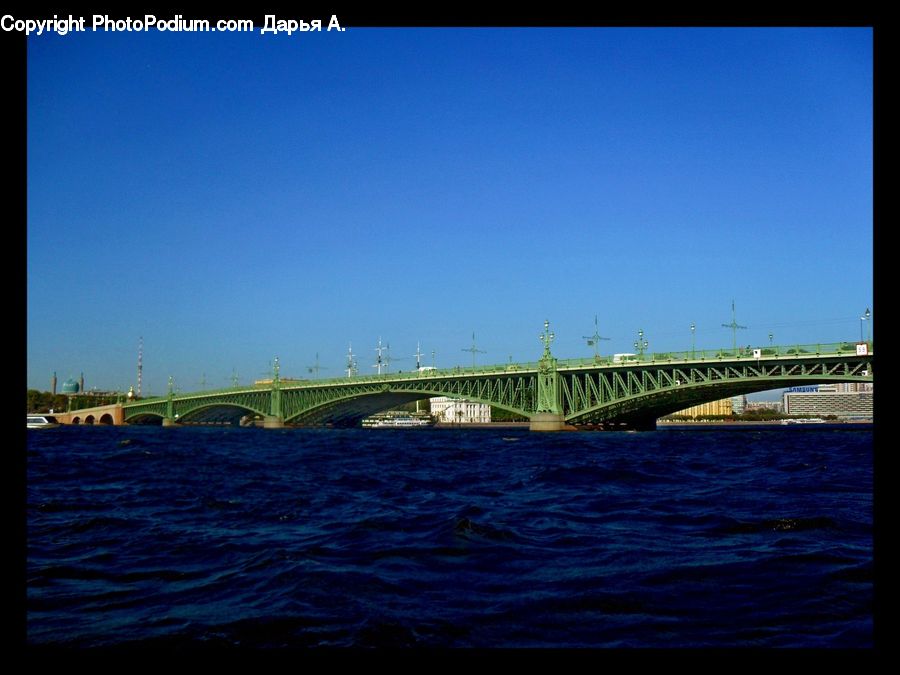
233	197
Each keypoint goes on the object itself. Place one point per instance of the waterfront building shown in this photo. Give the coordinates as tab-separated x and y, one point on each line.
853	387
459	411
857	404
720	407
764	405
738	404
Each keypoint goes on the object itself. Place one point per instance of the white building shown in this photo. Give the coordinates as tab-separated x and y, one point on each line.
764	405
852	387
829	402
448	410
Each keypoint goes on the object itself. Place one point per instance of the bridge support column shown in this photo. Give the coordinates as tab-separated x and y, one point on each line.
168	422
273	422
549	415
546	421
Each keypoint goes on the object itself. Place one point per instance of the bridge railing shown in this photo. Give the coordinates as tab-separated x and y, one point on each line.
745	353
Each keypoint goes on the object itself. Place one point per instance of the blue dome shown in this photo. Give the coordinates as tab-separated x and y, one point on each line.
70	386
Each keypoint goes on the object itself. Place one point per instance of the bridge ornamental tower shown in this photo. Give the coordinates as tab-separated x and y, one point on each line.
275	418
169	419
548	415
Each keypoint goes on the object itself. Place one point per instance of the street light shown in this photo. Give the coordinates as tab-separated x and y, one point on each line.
693	328
864	317
641	344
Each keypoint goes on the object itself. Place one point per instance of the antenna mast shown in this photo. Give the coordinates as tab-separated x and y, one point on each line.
388	359
351	364
316	368
474	351
734	325
379	363
140	364
592	340
418	356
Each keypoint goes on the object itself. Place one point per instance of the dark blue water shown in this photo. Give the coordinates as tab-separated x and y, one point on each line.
471	538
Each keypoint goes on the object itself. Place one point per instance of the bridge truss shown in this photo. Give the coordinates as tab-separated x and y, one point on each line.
586	391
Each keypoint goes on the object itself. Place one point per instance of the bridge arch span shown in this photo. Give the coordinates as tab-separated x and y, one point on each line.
577	391
646	407
145	418
347	409
216	413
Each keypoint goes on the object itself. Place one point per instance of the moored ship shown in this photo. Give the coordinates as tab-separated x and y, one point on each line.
398	420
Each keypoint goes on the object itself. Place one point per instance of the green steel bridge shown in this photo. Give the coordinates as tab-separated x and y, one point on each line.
625	391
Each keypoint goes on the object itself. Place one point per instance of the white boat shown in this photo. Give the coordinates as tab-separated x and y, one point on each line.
42	422
397	421
804	420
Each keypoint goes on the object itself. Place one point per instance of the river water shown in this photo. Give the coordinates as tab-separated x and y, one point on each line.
171	537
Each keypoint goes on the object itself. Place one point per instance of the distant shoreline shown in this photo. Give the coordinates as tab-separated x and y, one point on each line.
659	423
724	423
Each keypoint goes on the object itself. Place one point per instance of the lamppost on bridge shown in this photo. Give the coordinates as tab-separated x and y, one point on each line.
170	417
864	317
693	351
548	415
275	418
546	337
771	337
641	344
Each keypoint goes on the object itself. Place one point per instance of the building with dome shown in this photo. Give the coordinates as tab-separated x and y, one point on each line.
71	387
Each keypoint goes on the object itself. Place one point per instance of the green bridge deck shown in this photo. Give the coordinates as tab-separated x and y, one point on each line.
629	390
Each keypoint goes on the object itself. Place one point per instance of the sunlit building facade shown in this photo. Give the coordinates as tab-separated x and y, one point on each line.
721	407
850	404
448	410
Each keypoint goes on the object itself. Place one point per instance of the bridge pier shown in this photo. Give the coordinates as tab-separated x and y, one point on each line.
168	422
547	421
644	425
273	422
